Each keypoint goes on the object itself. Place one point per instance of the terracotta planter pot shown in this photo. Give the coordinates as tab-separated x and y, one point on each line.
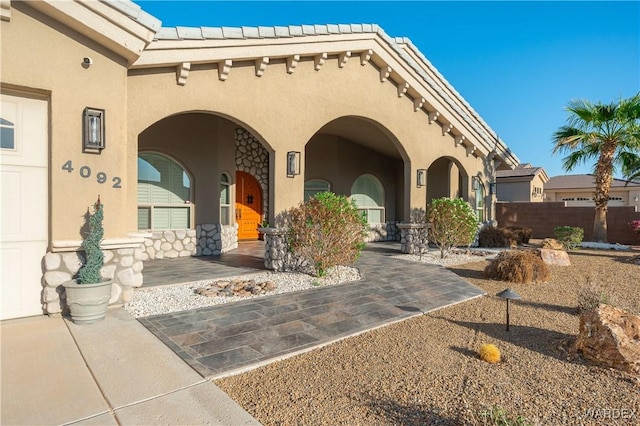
88	303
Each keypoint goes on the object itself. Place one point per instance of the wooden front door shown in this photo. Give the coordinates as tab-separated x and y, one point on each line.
248	206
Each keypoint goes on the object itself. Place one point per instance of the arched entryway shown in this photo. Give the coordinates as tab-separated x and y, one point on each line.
248	206
446	178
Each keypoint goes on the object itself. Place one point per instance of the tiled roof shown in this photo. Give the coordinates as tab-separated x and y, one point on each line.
518	172
224	33
470	116
136	13
582	182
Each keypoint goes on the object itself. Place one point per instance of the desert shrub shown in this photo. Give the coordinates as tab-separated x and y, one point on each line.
570	236
518	266
498	417
326	231
591	296
453	223
496	237
489	353
522	234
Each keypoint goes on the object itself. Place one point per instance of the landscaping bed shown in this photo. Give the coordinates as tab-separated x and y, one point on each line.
426	370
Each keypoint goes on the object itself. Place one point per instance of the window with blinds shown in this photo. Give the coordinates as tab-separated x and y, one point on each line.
368	194
315	186
480	202
225	199
164	193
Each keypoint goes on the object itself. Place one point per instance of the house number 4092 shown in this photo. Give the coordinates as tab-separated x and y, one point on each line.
85	172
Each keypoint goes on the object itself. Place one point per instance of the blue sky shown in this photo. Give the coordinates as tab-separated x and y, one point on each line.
517	63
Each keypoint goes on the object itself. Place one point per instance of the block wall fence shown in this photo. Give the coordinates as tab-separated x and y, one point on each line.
543	217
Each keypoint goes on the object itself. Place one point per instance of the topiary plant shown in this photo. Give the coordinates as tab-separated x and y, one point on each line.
489	353
327	230
452	223
90	271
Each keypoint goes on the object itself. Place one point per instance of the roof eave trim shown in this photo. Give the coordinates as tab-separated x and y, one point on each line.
119	25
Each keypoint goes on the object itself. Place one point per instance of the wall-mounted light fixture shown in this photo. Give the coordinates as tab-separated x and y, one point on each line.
250	199
636	199
421	178
293	163
93	130
475	180
493	187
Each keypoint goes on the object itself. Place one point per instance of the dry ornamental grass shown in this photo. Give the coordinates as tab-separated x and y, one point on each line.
426	370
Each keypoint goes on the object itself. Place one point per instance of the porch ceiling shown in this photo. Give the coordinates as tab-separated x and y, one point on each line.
362	133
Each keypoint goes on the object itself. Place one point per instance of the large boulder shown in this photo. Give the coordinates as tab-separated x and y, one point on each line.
551	244
610	336
554	257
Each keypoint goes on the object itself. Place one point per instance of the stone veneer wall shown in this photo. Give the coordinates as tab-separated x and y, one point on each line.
123	265
253	158
170	244
383	232
213	238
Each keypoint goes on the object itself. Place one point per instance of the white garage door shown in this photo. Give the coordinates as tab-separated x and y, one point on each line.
25	203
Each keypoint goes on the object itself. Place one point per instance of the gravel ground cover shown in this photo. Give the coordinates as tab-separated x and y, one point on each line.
425	371
182	297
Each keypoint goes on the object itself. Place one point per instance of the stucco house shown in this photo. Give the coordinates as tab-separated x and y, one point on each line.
524	183
194	136
579	190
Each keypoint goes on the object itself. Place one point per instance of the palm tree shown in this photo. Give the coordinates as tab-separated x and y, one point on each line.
631	170
610	133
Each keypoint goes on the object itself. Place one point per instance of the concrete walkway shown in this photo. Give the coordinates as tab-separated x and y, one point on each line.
226	339
109	373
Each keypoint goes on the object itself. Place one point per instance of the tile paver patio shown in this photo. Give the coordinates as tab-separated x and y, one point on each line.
223	339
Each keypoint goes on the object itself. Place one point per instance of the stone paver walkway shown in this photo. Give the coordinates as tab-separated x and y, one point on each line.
225	339
247	258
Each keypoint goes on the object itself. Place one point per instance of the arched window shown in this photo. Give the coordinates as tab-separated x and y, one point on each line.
164	193
315	186
225	199
368	194
480	201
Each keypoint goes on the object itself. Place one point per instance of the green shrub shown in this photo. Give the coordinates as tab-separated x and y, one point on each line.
570	236
90	271
452	223
496	237
326	231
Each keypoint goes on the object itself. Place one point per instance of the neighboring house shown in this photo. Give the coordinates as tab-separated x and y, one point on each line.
524	183
579	190
193	136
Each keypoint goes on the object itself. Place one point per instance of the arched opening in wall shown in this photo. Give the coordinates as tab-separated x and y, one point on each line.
446	178
347	148
212	147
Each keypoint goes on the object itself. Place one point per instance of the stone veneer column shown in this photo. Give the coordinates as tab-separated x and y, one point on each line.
275	249
413	237
122	265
